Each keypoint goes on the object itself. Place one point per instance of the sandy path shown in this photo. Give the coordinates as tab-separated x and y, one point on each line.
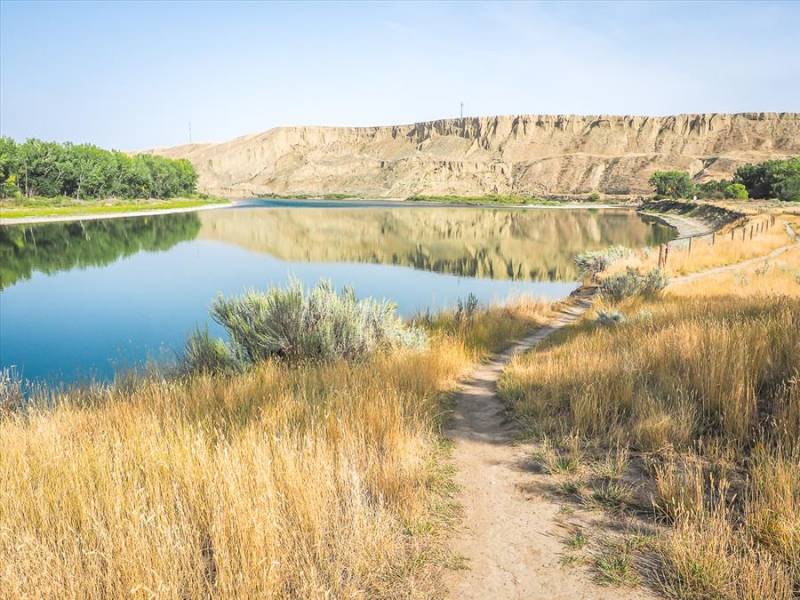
511	539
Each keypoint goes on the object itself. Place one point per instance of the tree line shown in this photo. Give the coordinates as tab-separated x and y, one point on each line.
84	171
770	179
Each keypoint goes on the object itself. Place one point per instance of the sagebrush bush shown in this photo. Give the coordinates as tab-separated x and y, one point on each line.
318	324
597	261
610	317
204	354
632	283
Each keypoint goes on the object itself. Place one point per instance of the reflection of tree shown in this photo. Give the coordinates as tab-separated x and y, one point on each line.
60	246
498	244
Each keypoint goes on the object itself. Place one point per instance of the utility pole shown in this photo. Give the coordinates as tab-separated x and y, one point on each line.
462	110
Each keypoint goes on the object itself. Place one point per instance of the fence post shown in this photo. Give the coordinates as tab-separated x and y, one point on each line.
744	232
690	246
713	238
751	232
666	255
660	254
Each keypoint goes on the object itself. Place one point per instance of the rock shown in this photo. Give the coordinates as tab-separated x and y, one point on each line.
524	154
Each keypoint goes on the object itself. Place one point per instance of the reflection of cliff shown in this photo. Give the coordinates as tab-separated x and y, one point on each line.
62	246
497	244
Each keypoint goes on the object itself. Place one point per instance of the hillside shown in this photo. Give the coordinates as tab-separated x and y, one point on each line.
527	154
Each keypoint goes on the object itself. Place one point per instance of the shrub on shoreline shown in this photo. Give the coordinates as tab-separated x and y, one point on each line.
298	324
632	283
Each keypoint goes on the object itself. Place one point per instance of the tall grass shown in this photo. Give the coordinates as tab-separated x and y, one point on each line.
705	392
725	248
319	480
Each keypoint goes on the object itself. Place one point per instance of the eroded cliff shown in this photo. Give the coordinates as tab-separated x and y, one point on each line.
526	154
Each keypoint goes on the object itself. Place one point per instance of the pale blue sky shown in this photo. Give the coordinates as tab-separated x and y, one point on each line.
133	75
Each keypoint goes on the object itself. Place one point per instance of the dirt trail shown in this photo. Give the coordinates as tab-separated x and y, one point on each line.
511	537
740	265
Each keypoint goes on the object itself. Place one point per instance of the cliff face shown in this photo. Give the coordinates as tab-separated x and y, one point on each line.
527	154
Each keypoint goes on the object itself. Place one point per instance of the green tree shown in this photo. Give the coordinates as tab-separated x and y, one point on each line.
675	184
8	167
766	179
736	190
788	189
86	171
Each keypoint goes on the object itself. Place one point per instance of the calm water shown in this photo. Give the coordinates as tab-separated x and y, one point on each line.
80	300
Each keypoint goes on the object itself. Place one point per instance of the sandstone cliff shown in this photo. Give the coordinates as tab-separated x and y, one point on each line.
526	154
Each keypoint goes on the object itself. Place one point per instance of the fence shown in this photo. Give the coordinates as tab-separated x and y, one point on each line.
744	233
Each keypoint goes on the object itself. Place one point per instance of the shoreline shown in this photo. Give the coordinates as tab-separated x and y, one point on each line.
111	215
685	227
348	203
398	202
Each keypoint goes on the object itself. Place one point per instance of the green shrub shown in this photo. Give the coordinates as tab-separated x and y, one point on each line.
788	189
653	282
610	317
204	354
319	324
771	179
632	283
736	190
675	184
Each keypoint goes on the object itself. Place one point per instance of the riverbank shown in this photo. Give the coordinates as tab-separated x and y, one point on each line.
29	215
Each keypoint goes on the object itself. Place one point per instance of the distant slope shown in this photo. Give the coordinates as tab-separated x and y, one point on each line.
527	154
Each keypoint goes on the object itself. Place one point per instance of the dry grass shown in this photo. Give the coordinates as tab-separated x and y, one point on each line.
704	392
727	248
772	276
305	482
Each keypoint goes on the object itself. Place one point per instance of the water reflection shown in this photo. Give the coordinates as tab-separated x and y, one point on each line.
84	299
53	247
527	245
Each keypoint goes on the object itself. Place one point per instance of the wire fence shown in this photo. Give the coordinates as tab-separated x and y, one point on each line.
744	233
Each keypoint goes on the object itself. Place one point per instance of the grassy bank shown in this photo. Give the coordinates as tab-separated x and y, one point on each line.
731	244
62	206
682	420
501	199
309	481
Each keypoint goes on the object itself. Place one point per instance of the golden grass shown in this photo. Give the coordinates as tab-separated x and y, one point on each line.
771	276
726	249
316	481
703	391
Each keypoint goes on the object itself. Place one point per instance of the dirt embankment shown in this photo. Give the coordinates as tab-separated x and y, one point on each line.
524	154
690	219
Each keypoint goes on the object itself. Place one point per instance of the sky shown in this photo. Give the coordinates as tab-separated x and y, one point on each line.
135	75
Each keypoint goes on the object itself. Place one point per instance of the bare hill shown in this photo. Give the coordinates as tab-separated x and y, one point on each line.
526	154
